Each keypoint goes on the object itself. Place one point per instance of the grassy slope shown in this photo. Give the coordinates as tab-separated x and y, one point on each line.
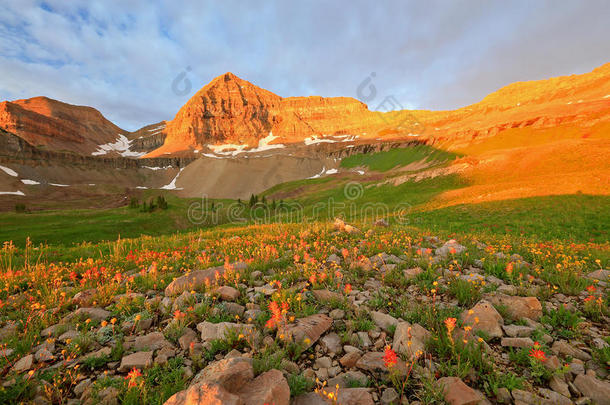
384	161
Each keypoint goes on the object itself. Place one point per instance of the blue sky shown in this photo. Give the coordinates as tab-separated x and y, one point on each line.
123	57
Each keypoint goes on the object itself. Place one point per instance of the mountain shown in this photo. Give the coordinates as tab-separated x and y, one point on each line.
230	110
57	126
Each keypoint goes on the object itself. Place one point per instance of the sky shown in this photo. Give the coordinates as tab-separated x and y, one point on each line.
138	62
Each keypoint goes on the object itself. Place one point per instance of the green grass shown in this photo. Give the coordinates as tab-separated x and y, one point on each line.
384	161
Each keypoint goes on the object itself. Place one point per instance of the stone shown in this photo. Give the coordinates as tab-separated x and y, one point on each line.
84	298
518	307
517	330
234	308
450	247
10	329
323	362
381	222
198	279
204	394
562	347
341	226
151	341
597	390
484	317
374	362
559	385
307	330
600	275
337	314
231	373
326	296
503	396
68	335
95	314
43	355
555	398
138	360
269	387
227	293
410	274
410	340
389	396
384	321
211	331
349	360
333	258
517	342
345	396
24	364
458	393
331	343
189	336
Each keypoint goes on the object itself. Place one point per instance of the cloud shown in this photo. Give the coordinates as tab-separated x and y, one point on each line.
122	57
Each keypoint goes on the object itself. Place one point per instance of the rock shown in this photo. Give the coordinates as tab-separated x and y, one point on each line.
308	330
189	336
323	362
337	314
227	293
331	343
384	321
24	364
555	398
269	387
43	355
341	226
484	317
95	314
600	275
152	341
8	330
524	397
198	279
597	390
231	373
346	396
410	340
69	335
517	330
517	342
350	359
563	348
138	360
518	307
84	298
558	384
450	247
333	258
373	362
234	308
389	396
507	289
458	393
410	274
204	394
503	396
381	222
210	331
326	296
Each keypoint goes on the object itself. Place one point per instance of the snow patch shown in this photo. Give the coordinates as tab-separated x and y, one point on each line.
172	185
29	182
11	193
323	173
121	146
607	96
59	185
156	168
142	187
233	150
330	139
8	171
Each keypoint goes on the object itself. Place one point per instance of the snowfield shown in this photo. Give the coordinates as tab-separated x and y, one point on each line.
8	171
121	146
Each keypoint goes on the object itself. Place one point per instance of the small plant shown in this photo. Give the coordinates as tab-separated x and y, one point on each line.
563	321
20	208
134	203
299	384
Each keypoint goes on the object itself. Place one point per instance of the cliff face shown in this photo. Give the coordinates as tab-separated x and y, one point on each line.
230	110
57	126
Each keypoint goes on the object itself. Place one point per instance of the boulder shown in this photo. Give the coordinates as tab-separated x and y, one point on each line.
95	314
600	275
597	390
211	331
326	296
308	330
138	360
458	393
450	247
518	307
227	293
564	348
24	364
204	394
152	341
231	373
484	317
384	321
269	387
199	278
410	340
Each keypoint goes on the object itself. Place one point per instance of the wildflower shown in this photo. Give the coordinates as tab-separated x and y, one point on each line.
348	288
450	324
591	288
132	376
389	358
537	354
